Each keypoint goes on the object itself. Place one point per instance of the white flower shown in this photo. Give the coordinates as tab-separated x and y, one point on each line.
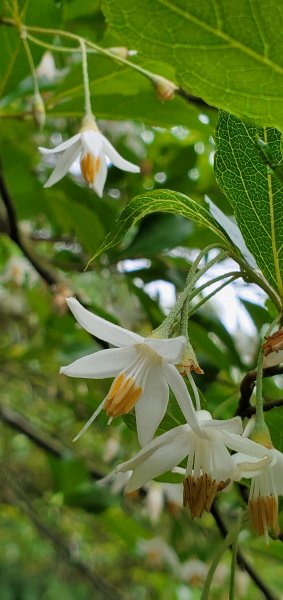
266	486
209	465
93	149
143	370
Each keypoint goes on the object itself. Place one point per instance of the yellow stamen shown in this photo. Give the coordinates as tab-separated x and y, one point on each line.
199	493
90	167
122	396
263	513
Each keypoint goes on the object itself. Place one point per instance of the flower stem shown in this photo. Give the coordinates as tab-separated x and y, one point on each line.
52	46
213	293
99	49
218	555
192	278
30	62
88	110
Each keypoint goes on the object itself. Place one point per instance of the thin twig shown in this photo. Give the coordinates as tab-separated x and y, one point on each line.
52	446
47	274
246	389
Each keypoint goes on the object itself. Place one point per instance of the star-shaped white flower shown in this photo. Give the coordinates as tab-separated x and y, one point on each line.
93	149
143	369
209	465
266	485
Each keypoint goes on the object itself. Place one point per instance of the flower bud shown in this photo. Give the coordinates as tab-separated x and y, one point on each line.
120	51
38	111
189	361
261	435
165	89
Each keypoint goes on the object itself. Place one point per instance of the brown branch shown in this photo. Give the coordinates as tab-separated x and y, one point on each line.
241	560
246	389
47	274
53	447
266	407
195	100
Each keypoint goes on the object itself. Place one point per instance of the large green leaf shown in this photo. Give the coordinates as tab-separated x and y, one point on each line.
160	201
229	53
255	193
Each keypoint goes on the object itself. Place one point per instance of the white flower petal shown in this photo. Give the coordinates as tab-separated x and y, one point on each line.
100	177
248	466
63	164
171	350
222	462
243	445
105	363
92	142
151	407
64	146
160	441
117	159
233	425
277	471
178	386
104	330
163	459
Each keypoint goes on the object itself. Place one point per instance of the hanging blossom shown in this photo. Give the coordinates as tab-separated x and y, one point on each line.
209	465
93	149
143	369
266	485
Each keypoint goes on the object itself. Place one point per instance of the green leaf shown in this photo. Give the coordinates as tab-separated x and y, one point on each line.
160	201
253	190
274	420
227	53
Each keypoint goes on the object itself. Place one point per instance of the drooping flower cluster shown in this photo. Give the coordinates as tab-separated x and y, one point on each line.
144	369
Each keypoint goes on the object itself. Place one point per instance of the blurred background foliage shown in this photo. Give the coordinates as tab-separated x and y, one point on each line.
63	535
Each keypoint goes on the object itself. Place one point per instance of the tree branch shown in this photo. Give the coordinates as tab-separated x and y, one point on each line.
242	562
195	100
49	276
53	447
246	389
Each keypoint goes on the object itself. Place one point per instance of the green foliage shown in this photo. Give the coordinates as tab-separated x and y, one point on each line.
229	55
63	534
160	201
254	191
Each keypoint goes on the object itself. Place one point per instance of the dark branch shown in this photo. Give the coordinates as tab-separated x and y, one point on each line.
246	389
53	447
13	230
195	100
242	562
266	407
